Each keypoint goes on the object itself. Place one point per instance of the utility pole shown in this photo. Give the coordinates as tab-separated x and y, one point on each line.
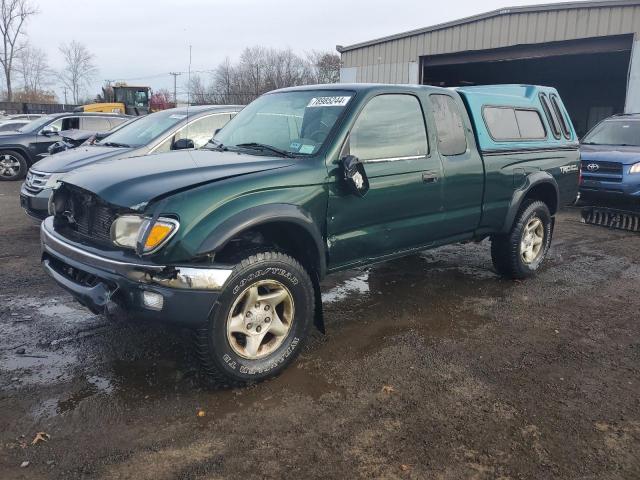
65	95
175	86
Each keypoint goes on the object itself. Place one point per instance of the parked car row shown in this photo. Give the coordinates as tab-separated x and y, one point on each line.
22	148
232	239
173	129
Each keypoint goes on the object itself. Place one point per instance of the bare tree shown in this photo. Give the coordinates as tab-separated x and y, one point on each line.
33	69
13	15
198	93
325	66
79	68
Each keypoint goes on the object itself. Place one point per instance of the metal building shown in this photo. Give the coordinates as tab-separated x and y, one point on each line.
588	50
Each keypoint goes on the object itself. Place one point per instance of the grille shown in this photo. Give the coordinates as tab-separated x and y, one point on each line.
89	217
605	171
36	181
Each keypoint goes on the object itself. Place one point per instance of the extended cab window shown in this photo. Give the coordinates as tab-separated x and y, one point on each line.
512	124
389	127
449	125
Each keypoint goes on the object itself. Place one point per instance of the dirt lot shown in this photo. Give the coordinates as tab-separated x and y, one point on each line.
432	367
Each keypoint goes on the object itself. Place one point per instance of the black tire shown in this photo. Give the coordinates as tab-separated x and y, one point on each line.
9	160
223	364
506	251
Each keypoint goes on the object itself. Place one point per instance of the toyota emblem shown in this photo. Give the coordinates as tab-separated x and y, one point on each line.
593	167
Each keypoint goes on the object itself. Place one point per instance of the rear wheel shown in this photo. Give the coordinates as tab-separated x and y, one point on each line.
260	322
520	253
13	165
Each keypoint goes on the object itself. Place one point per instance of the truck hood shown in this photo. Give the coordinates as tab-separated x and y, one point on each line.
610	153
77	157
134	183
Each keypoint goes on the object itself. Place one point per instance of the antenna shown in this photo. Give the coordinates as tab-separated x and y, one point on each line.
188	92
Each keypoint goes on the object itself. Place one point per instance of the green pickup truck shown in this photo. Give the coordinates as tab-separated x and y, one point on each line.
232	240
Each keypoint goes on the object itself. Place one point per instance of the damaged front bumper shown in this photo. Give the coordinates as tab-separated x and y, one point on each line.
176	294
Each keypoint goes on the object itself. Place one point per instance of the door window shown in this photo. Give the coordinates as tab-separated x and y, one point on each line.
203	129
200	131
389	127
95	124
449	125
70	123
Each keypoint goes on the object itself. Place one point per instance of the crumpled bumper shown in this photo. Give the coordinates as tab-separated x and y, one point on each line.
106	285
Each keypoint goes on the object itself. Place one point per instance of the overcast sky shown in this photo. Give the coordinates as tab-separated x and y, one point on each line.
146	39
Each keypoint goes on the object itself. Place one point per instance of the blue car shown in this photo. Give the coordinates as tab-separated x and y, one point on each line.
610	159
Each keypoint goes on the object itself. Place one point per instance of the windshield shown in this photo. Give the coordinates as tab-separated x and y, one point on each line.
37	124
145	130
295	123
615	132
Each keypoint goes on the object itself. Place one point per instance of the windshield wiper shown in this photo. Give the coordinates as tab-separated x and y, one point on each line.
217	145
262	146
115	144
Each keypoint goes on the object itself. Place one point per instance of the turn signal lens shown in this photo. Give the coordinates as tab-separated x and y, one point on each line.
158	234
635	168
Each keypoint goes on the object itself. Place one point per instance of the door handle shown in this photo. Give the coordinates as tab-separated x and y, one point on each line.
429	177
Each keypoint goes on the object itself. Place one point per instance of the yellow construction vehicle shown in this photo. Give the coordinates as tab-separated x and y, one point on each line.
121	98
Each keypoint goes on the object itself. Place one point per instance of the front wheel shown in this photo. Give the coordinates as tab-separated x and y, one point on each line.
13	166
260	322
520	253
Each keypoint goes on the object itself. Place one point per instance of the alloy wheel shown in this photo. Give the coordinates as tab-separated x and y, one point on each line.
9	165
260	319
532	240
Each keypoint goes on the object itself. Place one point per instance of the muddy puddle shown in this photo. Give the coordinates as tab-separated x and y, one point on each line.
90	365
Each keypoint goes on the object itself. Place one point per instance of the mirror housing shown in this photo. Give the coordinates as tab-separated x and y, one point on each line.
354	175
47	132
183	144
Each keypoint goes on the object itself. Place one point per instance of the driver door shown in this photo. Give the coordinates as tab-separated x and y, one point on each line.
403	206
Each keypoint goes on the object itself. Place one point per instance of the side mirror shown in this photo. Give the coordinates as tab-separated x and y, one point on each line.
48	131
183	144
355	176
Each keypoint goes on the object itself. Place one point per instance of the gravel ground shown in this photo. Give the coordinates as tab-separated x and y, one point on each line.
432	367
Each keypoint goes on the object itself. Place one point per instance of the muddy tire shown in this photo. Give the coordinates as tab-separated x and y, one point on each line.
13	166
259	323
520	253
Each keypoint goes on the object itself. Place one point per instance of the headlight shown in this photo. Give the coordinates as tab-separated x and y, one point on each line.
635	168
53	180
127	230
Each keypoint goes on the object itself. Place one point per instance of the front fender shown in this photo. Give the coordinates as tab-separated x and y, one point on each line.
532	180
259	215
21	149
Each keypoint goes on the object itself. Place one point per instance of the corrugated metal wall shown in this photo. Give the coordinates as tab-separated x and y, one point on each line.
391	61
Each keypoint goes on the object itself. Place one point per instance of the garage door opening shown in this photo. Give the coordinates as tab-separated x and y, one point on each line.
591	75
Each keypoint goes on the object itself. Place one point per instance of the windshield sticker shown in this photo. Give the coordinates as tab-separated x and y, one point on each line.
295	146
307	149
328	102
178	116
